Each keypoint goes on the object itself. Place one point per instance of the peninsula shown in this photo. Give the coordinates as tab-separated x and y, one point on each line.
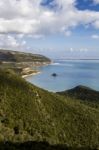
24	64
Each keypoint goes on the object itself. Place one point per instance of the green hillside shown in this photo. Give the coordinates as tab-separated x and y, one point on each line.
85	94
28	113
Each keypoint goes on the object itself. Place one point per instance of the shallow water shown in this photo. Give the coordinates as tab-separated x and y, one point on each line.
70	74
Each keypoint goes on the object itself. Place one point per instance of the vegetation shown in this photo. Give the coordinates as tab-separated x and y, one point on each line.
15	56
28	113
34	145
85	94
21	63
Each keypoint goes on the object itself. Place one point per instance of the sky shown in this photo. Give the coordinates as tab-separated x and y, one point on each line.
55	28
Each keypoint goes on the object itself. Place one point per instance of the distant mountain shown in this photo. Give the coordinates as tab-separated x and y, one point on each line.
15	56
28	113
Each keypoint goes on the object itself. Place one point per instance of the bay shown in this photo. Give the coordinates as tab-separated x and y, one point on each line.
70	73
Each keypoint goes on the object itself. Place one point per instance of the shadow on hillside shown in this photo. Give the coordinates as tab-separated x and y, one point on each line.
37	146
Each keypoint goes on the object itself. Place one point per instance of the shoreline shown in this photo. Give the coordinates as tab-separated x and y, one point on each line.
35	73
27	75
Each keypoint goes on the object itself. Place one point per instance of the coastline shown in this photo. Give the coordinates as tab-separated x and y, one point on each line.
37	72
27	75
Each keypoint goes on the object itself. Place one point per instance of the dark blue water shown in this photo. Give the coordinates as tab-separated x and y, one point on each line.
70	74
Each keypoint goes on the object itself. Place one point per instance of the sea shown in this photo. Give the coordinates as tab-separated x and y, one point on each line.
70	73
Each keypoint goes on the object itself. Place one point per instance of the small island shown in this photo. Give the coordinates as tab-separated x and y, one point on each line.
54	75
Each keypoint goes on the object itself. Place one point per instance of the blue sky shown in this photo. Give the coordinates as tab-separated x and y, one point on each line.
80	42
87	4
57	29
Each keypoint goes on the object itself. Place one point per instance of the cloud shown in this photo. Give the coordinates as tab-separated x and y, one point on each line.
83	49
96	1
37	36
95	36
10	42
71	49
68	33
30	17
78	50
96	24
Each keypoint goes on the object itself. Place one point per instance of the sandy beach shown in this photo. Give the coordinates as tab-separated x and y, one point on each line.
27	75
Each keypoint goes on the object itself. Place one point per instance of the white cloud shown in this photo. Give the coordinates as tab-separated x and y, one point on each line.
96	1
20	36
96	24
36	36
78	50
68	33
71	49
83	50
29	17
95	36
10	42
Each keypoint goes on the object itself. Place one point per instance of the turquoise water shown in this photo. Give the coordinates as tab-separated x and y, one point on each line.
70	74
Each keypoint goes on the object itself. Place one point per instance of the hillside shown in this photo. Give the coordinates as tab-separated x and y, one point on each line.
28	113
83	93
15	56
23	64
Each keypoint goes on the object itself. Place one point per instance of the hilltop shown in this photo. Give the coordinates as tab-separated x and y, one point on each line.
16	56
83	93
22	63
28	113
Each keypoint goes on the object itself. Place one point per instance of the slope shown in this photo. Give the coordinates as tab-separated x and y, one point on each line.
16	56
30	113
85	94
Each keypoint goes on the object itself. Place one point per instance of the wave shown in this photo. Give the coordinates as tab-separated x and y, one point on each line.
56	64
61	64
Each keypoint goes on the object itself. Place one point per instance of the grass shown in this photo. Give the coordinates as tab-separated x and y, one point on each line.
84	94
28	113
